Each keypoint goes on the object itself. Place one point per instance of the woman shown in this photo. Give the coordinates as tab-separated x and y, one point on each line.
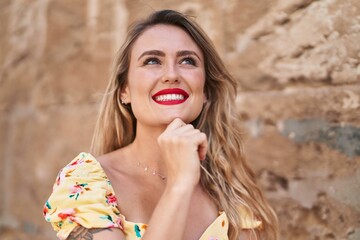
168	147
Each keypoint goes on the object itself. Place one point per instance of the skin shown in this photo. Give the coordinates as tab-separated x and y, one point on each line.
81	233
177	208
164	57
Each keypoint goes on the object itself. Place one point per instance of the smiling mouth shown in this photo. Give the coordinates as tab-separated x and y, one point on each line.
170	96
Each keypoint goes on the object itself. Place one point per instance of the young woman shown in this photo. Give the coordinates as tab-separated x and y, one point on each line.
169	159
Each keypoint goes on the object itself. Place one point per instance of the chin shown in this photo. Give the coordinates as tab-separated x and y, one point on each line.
185	119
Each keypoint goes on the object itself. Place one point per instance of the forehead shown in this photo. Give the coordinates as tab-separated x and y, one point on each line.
165	38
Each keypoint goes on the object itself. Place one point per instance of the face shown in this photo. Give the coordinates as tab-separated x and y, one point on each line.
166	77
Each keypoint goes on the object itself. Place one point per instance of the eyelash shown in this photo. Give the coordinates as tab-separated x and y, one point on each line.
188	58
147	60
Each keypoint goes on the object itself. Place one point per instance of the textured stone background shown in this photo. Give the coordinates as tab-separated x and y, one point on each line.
297	62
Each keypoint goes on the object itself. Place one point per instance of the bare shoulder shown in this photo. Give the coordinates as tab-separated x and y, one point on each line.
118	169
110	160
81	233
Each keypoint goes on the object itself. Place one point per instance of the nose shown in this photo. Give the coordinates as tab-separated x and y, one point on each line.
170	74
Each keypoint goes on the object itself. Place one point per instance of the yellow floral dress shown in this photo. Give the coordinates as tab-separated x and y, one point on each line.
83	195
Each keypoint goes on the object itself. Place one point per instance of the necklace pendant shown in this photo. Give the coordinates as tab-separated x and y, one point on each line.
150	170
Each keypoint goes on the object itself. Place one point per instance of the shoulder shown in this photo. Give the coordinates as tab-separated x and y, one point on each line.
82	195
110	161
80	166
82	175
118	167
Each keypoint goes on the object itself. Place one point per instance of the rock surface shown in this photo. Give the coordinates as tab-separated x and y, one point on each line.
297	63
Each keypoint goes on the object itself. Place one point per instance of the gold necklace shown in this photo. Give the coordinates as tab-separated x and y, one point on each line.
147	168
152	171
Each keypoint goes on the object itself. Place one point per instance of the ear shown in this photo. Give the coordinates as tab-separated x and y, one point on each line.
125	96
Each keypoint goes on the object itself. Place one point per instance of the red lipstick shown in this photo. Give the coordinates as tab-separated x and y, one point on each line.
170	96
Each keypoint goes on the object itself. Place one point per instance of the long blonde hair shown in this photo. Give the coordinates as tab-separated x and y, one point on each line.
226	176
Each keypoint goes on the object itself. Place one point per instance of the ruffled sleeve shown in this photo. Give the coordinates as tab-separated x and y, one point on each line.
82	195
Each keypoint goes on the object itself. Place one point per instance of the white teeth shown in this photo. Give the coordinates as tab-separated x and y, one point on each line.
169	97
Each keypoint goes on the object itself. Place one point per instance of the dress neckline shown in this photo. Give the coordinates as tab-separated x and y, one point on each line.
221	218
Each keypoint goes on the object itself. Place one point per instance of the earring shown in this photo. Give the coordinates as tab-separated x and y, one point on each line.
123	101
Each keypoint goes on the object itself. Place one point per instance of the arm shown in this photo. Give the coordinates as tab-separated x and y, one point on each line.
169	218
182	148
81	233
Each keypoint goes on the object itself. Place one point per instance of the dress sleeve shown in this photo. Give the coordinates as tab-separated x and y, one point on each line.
82	195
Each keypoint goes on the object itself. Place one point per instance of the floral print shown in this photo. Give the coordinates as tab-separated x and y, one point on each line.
111	199
83	195
68	214
78	189
137	231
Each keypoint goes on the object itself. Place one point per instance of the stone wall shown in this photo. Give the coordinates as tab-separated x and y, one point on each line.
297	63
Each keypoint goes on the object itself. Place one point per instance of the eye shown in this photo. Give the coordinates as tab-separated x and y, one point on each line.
151	61
188	60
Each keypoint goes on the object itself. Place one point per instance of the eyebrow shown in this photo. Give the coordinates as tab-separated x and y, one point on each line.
162	54
186	53
152	52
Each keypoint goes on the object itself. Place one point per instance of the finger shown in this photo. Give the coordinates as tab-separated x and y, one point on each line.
190	132
202	152
176	123
202	145
185	130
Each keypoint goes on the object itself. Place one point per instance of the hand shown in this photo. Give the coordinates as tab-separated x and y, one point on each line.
182	147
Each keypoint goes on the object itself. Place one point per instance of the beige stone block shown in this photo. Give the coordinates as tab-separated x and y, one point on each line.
43	141
328	219
63	57
77	81
4	22
311	183
314	149
303	55
338	104
312	187
3	140
66	23
317	44
209	15
24	38
237	17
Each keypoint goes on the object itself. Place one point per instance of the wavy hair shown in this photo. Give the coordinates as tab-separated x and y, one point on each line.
225	174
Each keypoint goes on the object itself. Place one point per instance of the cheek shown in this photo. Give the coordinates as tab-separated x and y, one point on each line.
197	80
140	83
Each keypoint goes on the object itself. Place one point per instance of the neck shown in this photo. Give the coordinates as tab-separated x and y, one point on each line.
145	149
